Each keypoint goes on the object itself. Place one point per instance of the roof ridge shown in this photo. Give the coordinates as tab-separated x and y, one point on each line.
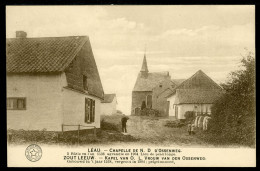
159	72
76	52
211	79
111	94
199	71
185	80
48	37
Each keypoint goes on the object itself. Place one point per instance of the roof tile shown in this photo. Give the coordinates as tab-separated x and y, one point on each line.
198	96
48	54
149	82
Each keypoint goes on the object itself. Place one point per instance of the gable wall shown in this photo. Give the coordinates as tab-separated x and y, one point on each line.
172	100
43	101
84	64
159	96
73	110
108	108
160	102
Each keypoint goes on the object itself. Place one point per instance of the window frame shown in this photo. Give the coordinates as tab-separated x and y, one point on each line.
16	98
89	117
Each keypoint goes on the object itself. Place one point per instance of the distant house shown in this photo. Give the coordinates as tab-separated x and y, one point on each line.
52	81
152	88
160	93
108	105
197	94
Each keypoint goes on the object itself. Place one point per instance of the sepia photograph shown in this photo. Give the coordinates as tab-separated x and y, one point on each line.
131	86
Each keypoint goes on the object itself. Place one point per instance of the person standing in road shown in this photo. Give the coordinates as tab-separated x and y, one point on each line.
124	120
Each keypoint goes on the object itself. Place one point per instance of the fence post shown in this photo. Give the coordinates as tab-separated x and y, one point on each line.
62	128
78	133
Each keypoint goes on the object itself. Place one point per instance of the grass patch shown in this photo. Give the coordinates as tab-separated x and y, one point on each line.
175	124
110	131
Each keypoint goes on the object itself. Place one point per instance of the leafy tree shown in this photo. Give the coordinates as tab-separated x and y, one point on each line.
233	115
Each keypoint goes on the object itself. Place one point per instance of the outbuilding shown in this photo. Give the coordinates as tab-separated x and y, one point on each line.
198	93
108	105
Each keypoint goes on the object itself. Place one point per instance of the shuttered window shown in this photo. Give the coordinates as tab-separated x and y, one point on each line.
89	110
16	103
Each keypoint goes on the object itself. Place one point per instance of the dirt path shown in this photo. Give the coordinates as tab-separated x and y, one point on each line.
153	131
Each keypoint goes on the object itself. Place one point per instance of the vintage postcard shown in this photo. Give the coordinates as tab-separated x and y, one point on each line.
131	86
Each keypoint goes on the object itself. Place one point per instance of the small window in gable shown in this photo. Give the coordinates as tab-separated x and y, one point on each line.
160	85
85	86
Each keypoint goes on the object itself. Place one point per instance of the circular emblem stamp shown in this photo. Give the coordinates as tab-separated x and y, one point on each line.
33	152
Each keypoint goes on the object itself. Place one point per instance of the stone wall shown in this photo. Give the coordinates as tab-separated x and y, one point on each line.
161	104
160	92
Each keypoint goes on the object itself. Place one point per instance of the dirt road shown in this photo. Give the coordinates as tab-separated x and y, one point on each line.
153	131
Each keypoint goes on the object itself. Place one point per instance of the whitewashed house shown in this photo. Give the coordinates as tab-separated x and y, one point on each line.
108	105
197	94
52	81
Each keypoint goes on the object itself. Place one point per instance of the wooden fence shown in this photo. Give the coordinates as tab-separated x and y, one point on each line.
94	130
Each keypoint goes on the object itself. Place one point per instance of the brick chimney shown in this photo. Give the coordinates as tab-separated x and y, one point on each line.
21	34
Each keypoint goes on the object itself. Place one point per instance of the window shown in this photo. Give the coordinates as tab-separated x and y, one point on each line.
16	103
160	85
85	82
89	110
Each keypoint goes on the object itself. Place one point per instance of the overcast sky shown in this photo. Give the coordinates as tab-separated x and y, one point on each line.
179	39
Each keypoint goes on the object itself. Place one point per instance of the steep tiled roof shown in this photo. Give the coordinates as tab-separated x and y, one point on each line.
40	55
199	81
199	88
149	82
108	98
52	55
196	96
